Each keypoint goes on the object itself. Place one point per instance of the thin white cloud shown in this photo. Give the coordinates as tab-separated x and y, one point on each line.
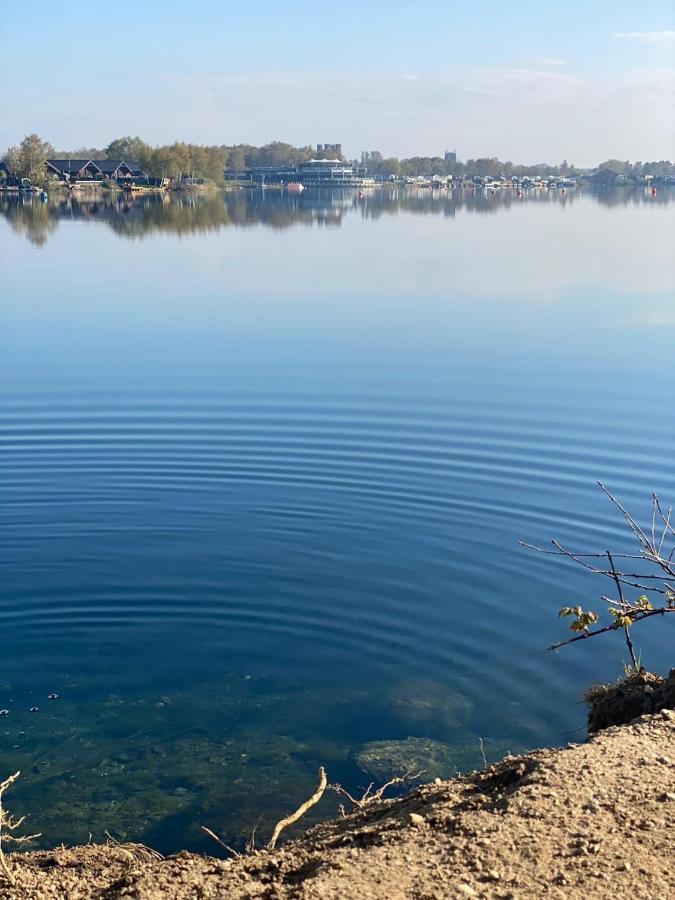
550	61
646	37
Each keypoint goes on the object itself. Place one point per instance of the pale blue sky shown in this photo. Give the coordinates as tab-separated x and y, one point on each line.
524	81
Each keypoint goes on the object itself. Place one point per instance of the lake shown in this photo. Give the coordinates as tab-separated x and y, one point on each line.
265	461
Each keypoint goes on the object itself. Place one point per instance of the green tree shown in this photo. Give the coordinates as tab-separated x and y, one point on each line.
12	159
130	149
236	161
33	152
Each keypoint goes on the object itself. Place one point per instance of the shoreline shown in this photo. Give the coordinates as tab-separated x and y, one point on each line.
589	819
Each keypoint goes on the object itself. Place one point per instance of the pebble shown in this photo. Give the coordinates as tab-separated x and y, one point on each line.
416	819
52	696
467	890
4	712
624	867
667	796
34	709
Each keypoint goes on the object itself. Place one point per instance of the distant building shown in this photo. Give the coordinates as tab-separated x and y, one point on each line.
269	174
73	169
326	172
92	170
118	168
450	156
330	148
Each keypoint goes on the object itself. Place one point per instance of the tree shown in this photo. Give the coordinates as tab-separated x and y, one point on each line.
28	159
129	149
12	159
236	161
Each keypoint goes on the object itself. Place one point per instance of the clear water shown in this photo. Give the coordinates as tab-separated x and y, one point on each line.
264	465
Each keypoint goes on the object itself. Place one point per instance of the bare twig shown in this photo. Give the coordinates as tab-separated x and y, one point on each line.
301	810
218	840
370	796
482	750
10	824
250	843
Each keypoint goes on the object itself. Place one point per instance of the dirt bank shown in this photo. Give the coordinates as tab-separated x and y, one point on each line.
591	820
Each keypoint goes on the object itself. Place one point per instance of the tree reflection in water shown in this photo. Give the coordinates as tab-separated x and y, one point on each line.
137	217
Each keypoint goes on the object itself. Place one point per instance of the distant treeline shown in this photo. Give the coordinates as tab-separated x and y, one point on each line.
491	166
180	160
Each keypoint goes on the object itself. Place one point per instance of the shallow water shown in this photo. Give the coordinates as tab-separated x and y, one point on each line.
264	465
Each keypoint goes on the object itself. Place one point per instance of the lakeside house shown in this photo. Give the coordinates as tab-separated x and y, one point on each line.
13	183
89	170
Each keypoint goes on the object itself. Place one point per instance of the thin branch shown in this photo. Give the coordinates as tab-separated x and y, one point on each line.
614	627
218	840
625	577
626	628
632	524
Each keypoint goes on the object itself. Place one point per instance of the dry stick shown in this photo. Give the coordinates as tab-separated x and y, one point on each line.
626	628
369	796
301	810
3	863
250	843
482	750
10	825
218	840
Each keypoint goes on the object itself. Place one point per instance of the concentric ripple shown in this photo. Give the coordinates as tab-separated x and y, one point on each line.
302	463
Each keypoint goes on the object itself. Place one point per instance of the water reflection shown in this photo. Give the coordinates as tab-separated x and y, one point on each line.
138	217
247	486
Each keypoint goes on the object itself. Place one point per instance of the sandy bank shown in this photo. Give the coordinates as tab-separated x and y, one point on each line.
591	820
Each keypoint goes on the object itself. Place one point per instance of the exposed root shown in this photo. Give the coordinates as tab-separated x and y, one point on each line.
135	851
300	811
10	824
370	795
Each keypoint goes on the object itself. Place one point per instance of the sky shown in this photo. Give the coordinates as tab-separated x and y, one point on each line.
524	81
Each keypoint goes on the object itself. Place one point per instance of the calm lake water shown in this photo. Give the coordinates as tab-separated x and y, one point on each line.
265	462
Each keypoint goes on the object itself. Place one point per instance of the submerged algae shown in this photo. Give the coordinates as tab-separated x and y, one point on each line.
156	766
389	759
